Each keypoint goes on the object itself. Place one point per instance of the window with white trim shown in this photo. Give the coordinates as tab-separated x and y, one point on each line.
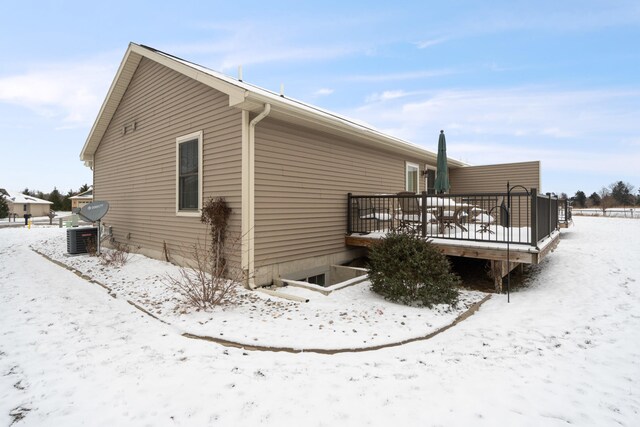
189	174
411	180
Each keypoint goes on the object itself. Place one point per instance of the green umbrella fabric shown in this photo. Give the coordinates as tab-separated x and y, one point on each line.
442	173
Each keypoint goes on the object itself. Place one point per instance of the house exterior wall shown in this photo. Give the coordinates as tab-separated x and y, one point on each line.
302	175
301	185
32	208
80	202
39	209
136	171
493	178
17	208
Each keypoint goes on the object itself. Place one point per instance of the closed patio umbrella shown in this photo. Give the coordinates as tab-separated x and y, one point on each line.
442	173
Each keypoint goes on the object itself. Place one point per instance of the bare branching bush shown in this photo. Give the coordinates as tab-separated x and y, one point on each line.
165	251
116	257
215	214
208	281
90	245
199	287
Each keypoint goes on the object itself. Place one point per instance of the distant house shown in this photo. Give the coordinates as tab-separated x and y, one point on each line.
81	199
21	204
171	133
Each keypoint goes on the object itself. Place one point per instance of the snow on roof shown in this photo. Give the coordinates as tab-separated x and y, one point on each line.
85	195
82	197
17	197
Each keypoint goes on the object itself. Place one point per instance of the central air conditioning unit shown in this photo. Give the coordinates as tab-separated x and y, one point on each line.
79	239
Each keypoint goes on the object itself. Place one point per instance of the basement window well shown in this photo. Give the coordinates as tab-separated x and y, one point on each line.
318	279
326	279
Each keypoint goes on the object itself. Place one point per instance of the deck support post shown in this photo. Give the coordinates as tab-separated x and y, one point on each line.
499	269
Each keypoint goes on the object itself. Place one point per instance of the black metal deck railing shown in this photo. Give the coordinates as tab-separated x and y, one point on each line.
564	211
522	217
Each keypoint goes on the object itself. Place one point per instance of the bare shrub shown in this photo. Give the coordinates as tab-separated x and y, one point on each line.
91	246
200	286
165	251
215	214
116	257
208	281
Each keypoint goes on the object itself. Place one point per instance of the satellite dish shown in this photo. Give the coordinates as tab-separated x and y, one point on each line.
94	211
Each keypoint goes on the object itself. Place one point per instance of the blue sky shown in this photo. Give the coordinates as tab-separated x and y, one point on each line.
508	81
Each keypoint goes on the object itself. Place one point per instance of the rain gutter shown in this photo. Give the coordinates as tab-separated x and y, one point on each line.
248	195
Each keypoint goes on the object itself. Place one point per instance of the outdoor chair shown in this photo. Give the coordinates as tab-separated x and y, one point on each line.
410	212
367	212
484	221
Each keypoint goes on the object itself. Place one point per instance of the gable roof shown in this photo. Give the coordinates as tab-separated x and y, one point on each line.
244	96
85	195
16	197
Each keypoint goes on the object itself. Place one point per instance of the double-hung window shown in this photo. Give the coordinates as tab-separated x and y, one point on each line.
189	174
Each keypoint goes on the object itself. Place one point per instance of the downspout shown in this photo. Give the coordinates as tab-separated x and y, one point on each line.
250	235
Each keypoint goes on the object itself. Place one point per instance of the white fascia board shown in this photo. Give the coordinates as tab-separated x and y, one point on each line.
236	93
123	77
245	97
110	103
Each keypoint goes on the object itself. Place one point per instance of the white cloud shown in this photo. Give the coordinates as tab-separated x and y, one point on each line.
237	44
556	160
428	43
540	16
265	54
387	96
409	75
71	92
578	130
514	112
323	92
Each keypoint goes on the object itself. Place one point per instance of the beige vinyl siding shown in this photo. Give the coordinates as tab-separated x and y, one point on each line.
302	180
33	209
39	210
136	172
493	178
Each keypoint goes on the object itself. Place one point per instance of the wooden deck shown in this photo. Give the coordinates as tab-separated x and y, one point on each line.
496	254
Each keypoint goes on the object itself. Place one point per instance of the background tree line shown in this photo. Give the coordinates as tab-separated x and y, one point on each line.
4	206
61	202
617	194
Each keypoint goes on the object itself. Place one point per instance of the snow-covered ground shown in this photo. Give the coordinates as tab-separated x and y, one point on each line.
36	220
631	212
566	350
353	317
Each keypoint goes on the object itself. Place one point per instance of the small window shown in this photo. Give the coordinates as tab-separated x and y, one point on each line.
412	177
316	280
24	207
189	174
